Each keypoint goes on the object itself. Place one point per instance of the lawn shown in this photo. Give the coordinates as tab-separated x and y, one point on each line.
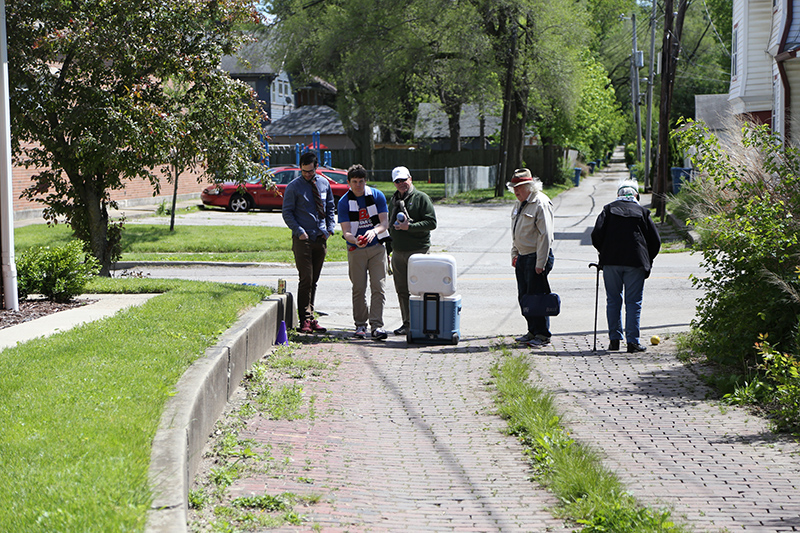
154	242
79	409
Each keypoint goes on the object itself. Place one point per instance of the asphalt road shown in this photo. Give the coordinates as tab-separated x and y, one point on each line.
479	238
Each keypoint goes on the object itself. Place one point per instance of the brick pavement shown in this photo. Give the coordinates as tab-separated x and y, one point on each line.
406	439
718	467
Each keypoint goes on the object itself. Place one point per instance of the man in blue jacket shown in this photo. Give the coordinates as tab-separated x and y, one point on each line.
308	210
627	239
364	217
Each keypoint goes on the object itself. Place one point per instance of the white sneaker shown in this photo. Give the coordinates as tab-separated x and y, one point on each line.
361	332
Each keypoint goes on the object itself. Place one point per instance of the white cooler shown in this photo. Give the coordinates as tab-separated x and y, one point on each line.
434	308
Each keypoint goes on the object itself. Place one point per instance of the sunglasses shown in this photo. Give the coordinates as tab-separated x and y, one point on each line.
401	180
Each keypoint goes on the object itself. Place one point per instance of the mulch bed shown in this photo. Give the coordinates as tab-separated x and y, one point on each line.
33	309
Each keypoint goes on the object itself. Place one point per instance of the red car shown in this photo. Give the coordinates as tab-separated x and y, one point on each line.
252	194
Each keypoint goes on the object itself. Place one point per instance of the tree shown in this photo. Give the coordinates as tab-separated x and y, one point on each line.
536	45
364	48
596	124
456	67
204	126
90	107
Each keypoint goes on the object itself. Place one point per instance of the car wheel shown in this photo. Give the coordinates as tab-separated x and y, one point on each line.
239	203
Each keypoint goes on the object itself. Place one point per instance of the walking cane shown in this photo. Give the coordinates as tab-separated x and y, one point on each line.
596	296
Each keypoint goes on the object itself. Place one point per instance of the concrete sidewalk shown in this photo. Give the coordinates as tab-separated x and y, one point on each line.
101	306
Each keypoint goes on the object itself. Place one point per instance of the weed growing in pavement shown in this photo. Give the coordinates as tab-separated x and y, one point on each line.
590	494
271	391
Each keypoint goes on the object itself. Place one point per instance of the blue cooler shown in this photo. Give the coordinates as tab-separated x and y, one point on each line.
434	318
434	308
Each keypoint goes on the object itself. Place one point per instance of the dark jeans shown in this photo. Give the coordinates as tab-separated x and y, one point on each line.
529	282
309	257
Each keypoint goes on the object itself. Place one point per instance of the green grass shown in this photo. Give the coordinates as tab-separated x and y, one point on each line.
590	494
234	244
79	409
153	242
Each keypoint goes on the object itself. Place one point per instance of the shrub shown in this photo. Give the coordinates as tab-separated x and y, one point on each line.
59	273
783	370
747	208
630	154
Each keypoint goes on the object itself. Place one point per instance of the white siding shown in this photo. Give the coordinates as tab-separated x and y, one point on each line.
281	96
754	90
736	52
777	27
793	74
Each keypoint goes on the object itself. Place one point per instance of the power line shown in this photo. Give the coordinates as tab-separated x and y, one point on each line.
714	27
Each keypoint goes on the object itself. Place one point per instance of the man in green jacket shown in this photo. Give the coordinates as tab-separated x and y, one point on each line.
411	220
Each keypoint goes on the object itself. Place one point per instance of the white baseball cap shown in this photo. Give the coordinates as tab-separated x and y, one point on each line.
400	173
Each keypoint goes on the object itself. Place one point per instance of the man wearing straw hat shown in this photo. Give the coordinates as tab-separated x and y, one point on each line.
531	249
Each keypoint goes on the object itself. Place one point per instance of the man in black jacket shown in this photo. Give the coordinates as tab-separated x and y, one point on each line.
628	241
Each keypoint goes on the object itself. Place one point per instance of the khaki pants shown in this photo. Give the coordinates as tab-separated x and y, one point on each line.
400	267
363	263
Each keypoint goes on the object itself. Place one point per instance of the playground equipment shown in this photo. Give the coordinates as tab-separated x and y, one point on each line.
324	157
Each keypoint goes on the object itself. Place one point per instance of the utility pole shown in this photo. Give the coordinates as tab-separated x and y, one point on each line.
9	267
635	60
649	97
669	59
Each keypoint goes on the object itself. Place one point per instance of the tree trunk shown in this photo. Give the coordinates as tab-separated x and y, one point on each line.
174	200
95	226
365	144
452	107
517	126
504	171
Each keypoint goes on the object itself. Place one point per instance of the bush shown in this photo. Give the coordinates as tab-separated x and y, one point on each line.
630	154
783	371
57	273
747	208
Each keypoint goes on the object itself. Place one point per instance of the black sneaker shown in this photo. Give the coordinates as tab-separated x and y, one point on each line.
613	346
378	334
636	348
402	330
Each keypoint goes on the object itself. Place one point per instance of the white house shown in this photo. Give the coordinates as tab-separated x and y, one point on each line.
765	71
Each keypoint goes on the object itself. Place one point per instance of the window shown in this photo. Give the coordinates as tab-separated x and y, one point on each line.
735	52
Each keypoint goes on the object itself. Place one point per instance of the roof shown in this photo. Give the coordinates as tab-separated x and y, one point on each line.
306	120
432	122
713	109
252	59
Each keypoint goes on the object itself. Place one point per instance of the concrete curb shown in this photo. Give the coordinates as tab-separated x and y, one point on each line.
202	394
691	234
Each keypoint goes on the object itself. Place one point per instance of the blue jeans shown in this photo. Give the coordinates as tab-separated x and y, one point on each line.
631	279
529	282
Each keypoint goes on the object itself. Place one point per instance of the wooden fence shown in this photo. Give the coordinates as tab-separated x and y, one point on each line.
429	165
